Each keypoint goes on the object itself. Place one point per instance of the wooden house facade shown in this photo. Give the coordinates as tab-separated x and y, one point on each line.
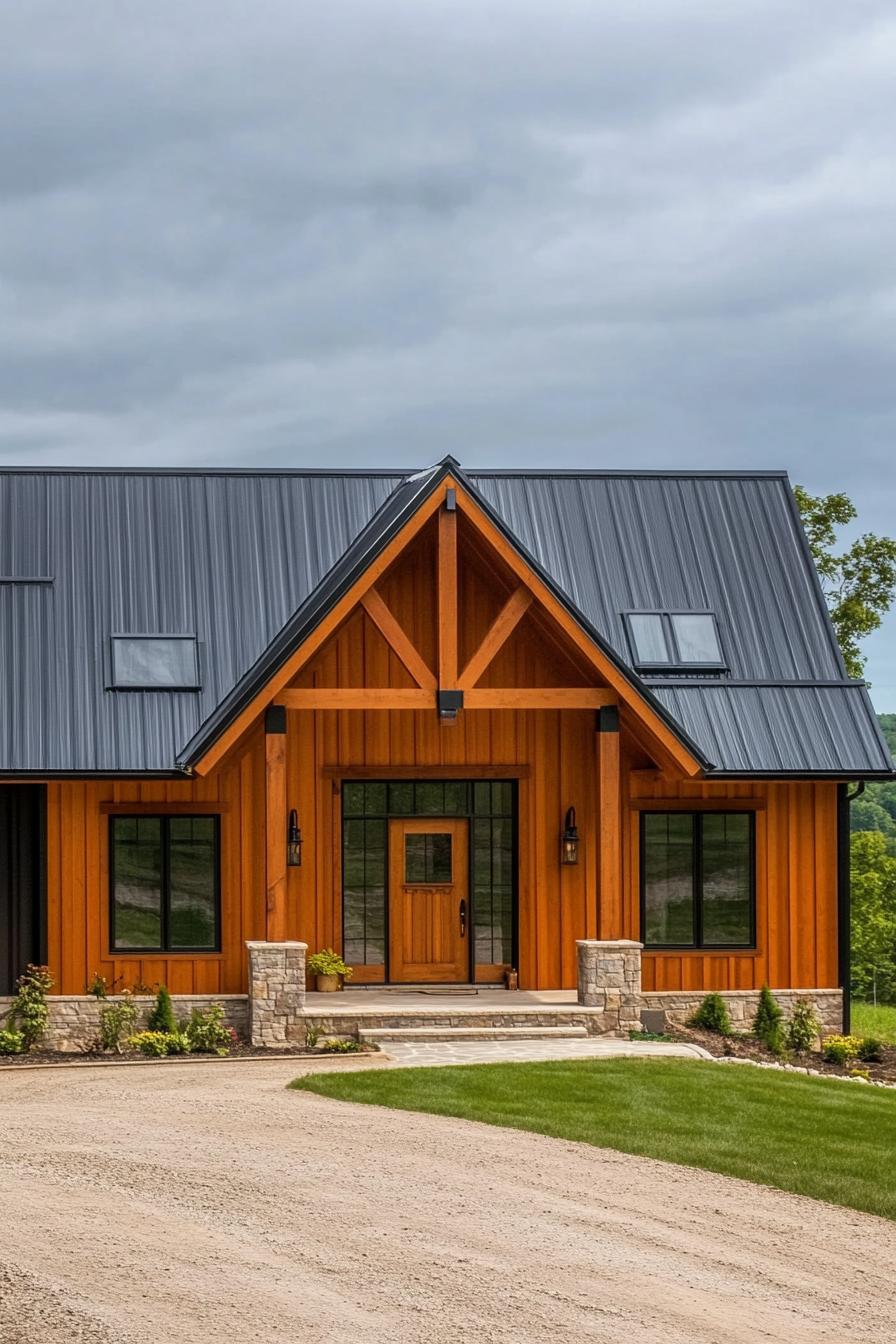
438	764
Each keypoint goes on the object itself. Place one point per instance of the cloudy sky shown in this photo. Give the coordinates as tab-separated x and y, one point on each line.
374	231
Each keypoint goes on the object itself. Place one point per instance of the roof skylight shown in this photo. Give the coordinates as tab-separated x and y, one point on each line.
155	663
667	640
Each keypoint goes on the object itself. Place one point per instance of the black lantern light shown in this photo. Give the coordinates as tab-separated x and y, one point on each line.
294	841
569	842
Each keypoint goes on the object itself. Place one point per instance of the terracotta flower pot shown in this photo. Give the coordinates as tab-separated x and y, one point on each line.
327	984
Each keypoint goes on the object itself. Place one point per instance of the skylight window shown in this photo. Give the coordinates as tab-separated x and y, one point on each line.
667	640
155	663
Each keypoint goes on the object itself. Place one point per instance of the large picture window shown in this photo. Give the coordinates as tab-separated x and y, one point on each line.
165	883
697	879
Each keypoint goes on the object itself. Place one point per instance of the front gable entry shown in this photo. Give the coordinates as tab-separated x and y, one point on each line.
453	666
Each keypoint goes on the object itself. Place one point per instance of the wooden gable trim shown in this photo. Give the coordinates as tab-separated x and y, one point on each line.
446	500
496	637
398	640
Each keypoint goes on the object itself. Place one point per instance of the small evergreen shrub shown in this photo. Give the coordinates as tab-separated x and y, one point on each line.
871	1050
12	1042
712	1015
117	1022
161	1016
803	1029
343	1045
158	1044
767	1022
840	1049
29	1012
207	1033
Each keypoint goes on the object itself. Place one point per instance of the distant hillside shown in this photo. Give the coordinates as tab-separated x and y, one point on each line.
888	724
876	809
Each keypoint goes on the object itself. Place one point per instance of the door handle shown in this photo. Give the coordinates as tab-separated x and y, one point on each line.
463	918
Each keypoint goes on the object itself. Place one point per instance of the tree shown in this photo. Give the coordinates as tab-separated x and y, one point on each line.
859	583
873	874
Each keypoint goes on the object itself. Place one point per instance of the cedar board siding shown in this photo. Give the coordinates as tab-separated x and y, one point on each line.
552	754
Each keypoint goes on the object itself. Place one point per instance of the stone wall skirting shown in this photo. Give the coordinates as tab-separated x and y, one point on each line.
75	1018
742	1004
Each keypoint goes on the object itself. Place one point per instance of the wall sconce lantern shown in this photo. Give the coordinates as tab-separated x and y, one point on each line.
293	841
569	843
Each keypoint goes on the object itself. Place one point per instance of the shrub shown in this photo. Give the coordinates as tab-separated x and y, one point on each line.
12	1042
98	986
840	1049
343	1045
117	1022
29	1010
157	1044
161	1017
803	1029
767	1022
871	1050
207	1033
328	962
712	1015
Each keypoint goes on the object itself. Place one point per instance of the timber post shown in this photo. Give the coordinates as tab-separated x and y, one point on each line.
275	822
609	900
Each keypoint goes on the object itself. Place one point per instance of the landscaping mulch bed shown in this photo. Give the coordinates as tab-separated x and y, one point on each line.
738	1046
241	1051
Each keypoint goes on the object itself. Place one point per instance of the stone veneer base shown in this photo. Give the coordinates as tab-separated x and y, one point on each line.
75	1018
742	1004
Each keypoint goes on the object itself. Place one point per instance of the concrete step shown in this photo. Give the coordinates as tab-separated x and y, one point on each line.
380	1035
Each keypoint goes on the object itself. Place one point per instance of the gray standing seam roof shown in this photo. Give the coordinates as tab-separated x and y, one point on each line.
248	560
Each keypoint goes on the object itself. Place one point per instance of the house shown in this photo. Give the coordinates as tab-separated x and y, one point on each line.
449	724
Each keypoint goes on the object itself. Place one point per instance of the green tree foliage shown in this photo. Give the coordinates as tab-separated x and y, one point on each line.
873	917
859	582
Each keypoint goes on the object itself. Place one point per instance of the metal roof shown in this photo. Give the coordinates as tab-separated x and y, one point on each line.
249	561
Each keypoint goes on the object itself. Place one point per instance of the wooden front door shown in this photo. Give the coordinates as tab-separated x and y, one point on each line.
429	901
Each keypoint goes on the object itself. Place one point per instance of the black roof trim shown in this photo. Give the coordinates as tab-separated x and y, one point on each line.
727	683
385	524
845	775
406	473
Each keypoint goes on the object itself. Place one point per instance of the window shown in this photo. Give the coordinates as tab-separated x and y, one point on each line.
427	858
674	639
154	662
697	879
165	883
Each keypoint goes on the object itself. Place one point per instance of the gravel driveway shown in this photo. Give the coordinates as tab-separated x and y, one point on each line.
204	1202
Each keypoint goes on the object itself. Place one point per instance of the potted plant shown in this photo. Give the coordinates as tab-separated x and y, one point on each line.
329	970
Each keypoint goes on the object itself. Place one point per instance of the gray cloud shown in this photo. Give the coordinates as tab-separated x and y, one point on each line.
376	231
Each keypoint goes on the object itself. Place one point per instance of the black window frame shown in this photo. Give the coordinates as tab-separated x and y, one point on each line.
697	815
156	636
165	818
675	662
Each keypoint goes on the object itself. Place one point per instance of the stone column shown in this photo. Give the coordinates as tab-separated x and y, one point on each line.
609	977
277	993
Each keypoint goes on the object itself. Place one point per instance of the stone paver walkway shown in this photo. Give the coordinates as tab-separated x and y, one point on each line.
528	1052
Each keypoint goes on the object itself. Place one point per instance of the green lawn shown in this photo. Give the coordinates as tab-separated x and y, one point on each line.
870	1021
830	1140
